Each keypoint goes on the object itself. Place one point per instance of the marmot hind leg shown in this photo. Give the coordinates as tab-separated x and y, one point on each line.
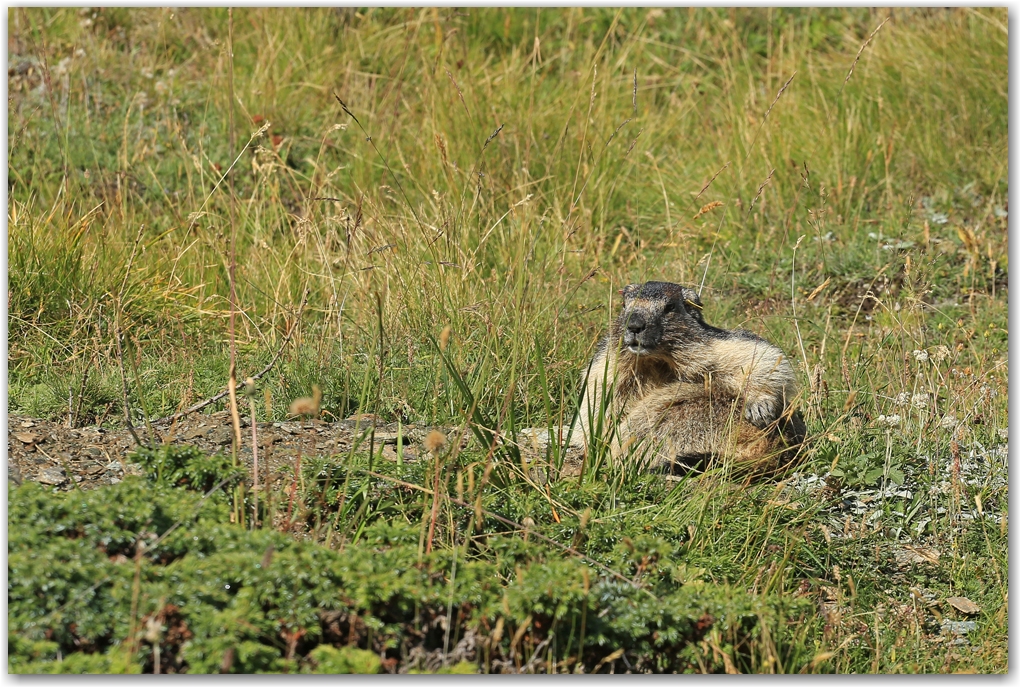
681	424
679	432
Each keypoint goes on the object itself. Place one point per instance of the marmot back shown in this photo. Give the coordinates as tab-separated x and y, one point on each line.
665	384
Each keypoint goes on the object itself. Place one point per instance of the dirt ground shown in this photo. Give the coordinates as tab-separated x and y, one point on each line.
88	457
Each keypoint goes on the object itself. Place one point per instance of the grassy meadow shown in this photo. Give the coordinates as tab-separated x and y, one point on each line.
338	186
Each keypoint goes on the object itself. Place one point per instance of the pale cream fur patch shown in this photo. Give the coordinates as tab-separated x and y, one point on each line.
734	368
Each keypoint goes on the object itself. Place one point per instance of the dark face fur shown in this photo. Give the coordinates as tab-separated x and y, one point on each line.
658	317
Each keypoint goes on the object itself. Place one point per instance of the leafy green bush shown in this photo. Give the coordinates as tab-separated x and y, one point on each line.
330	660
90	576
116	662
186	466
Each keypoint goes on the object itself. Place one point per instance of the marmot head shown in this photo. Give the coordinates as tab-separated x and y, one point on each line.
658	318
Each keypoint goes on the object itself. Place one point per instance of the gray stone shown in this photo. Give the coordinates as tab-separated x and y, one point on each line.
266	440
54	476
196	433
959	627
221	436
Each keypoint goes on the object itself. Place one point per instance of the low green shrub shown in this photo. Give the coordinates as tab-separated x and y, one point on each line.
330	660
186	466
95	584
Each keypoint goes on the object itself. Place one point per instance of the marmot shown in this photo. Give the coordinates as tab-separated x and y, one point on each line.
682	391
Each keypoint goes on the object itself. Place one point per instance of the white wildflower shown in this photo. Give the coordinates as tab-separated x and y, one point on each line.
940	353
1003	433
921	356
902	398
948	421
888	420
919	400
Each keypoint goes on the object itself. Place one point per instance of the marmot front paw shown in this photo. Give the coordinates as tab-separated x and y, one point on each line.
761	412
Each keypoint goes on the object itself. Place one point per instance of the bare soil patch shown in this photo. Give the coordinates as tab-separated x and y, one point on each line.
89	457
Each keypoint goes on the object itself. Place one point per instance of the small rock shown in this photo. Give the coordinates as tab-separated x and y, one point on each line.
386	437
958	627
221	436
115	466
197	432
27	437
915	554
54	476
28	423
963	605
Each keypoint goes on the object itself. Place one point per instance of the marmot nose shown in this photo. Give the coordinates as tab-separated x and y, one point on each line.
635	325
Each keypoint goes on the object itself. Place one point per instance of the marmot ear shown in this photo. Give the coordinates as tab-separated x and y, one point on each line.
628	292
692	301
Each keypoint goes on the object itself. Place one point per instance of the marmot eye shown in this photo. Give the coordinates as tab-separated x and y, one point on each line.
670	307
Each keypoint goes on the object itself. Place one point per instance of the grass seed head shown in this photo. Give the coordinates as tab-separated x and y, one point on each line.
307	405
434	441
708	208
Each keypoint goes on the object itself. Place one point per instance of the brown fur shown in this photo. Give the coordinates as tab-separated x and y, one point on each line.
683	392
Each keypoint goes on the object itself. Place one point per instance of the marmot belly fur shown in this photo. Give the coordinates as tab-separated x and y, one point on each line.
666	387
